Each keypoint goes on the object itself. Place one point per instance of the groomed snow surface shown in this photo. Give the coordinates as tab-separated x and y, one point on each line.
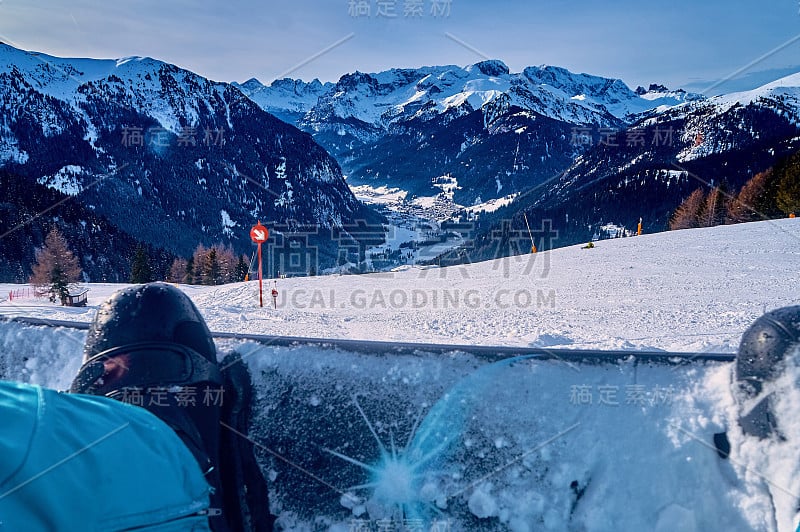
690	290
452	442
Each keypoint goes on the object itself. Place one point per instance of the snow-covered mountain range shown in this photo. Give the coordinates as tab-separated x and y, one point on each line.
705	135
582	150
288	99
173	158
177	159
441	117
495	131
649	167
386	98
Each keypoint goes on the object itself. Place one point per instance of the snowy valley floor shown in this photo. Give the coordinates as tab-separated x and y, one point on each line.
450	442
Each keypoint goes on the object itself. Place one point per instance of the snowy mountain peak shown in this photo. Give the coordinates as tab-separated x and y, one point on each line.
786	88
792	80
46	68
356	79
153	87
288	99
782	94
251	84
299	86
781	98
136	59
491	67
654	87
579	84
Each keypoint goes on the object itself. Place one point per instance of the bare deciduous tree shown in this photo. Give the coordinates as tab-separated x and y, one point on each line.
713	211
56	269
178	271
214	265
748	205
687	215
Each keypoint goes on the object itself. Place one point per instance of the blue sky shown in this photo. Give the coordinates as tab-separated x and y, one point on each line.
679	43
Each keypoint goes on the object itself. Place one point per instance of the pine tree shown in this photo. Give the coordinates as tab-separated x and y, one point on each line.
241	269
788	185
56	269
789	196
687	215
189	276
212	272
141	272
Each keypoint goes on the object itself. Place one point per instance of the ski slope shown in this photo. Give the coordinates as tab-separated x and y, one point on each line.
453	442
690	290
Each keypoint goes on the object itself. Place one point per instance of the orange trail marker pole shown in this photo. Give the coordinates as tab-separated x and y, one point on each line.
533	245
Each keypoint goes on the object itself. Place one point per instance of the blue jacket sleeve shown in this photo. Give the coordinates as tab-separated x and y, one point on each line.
78	462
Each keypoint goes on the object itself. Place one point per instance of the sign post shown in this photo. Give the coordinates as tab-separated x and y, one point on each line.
259	235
